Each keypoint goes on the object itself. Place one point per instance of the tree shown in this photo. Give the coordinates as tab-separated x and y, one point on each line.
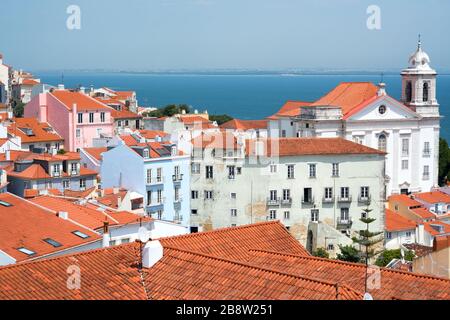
348	253
321	253
444	161
61	151
169	111
18	108
367	239
388	255
220	118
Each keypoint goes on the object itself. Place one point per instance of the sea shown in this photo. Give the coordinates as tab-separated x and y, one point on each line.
243	96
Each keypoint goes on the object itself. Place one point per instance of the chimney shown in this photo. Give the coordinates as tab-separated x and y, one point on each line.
420	237
115	190
8	155
60	87
106	235
381	89
119	202
152	253
63	215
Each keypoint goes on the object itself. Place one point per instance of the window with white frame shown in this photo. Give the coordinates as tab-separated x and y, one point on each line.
82	183
312	170
102	116
149	176
80	118
382	142
314	215
345	215
159	174
426	149
405	164
328	194
78	133
194	194
209	172
195	168
233	195
335	170
233	212
426	172
208	194
364	192
286	194
272	214
405	147
91	117
66	184
291	173
146	153
273	168
273	195
287	215
159	196
231	172
56	170
345	192
388	235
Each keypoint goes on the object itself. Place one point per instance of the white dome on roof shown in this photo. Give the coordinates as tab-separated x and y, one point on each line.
420	59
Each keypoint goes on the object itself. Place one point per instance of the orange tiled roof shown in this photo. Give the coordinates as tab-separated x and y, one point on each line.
42	132
234	243
215	140
96	153
394	284
124	114
349	96
78	194
112	273
83	102
30	82
406	200
27	225
424	213
290	109
237	124
396	222
111	199
88	215
16	155
433	197
429	228
152	134
308	146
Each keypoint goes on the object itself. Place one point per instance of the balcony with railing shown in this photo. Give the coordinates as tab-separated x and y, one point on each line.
286	201
344	223
155	181
364	199
308	200
271	202
327	199
156	202
177	177
345	199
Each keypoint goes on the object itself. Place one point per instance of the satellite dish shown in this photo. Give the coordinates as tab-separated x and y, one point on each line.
367	296
143	234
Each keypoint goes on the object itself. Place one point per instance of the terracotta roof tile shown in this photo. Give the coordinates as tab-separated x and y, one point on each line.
96	153
41	132
433	197
290	109
27	225
152	134
396	222
406	200
244	125
83	102
307	146
394	283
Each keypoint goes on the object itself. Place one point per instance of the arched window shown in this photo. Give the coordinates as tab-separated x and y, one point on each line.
382	142
426	91
408	91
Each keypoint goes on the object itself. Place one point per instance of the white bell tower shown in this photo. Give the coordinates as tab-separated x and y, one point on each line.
419	84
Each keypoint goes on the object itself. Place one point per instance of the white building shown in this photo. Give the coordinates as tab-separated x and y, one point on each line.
316	187
362	112
5	74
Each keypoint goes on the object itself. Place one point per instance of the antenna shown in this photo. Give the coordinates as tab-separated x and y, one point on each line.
382	77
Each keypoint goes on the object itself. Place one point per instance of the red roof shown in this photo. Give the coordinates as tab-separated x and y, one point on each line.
215	140
96	153
25	225
30	82
433	230
308	146
424	213
290	109
41	132
152	134
396	222
88	216
244	125
349	96
83	102
406	200
394	284
433	197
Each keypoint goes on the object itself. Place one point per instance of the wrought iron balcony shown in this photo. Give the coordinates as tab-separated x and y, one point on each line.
177	177
308	200
155	181
364	199
286	201
273	201
345	199
344	223
328	199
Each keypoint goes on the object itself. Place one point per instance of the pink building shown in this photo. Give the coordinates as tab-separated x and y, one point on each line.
77	117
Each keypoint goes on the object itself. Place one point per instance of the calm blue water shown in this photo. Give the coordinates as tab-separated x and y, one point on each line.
241	96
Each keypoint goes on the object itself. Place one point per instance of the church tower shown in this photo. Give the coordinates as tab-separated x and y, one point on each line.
419	84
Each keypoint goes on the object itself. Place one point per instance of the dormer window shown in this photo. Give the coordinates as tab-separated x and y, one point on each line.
56	170
146	153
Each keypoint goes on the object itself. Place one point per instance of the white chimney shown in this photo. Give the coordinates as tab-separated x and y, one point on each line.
8	155
420	234
63	215
153	252
381	89
115	190
106	236
60	87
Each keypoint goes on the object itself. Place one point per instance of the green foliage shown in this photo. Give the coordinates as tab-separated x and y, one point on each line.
169	111
18	108
348	253
367	239
61	151
388	255
321	253
444	161
220	118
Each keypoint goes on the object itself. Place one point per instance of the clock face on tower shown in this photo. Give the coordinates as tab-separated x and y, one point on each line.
382	109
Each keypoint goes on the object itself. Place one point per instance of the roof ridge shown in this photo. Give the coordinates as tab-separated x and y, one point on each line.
254	266
351	263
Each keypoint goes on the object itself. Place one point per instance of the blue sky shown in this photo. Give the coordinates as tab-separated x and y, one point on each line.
216	34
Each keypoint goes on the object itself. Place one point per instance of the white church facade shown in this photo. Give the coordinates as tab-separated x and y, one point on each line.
408	130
